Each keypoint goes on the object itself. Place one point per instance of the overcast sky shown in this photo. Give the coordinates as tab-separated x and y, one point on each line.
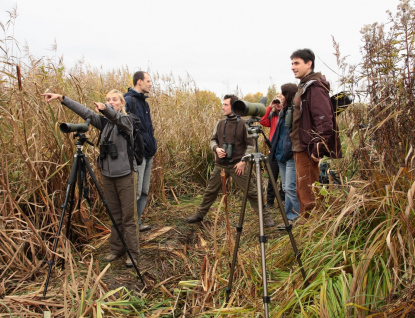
221	44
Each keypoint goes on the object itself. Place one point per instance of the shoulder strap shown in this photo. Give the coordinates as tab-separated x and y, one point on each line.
238	118
109	133
130	147
104	122
107	136
306	85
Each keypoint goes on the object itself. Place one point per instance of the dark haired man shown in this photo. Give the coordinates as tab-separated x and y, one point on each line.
230	142
314	131
136	103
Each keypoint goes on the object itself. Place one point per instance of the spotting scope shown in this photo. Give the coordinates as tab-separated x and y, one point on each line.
243	108
68	127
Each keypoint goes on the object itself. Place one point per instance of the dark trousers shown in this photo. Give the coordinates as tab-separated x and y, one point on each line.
215	185
275	171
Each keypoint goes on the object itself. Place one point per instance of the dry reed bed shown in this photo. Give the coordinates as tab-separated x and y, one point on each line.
357	249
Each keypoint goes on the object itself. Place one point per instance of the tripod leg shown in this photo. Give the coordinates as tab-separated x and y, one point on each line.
79	178
94	179
262	237
288	226
239	231
69	197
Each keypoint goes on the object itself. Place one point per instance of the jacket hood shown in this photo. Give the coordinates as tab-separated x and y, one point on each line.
313	79
133	93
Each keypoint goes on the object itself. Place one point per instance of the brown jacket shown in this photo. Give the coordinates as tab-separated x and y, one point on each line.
242	141
317	127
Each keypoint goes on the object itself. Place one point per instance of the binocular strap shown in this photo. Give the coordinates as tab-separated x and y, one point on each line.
238	118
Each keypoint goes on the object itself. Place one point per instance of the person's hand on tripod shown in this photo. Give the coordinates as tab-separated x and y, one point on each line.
240	168
50	97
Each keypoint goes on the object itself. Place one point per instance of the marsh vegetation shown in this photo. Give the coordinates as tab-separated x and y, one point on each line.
358	246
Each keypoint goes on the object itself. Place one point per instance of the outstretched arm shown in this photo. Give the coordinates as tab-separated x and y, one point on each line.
76	107
50	97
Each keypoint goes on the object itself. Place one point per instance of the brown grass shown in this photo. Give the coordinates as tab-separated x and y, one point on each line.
357	248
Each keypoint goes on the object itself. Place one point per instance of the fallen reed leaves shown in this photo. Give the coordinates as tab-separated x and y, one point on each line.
357	248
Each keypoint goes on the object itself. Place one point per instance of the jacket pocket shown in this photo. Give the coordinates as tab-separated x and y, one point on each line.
287	148
150	145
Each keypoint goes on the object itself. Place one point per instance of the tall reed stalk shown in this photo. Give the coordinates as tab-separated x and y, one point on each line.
357	248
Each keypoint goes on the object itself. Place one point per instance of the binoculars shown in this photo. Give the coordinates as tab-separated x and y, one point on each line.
108	148
229	149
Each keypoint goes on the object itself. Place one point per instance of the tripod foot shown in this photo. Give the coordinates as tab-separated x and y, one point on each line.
283	227
228	293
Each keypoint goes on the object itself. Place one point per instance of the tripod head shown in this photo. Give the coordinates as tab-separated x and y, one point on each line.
255	130
81	139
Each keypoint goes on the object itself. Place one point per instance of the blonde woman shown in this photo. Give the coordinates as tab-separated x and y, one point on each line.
118	175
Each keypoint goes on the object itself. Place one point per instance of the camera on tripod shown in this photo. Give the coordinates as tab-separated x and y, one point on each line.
108	147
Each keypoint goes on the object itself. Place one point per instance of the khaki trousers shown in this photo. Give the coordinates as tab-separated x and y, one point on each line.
307	172
215	185
120	194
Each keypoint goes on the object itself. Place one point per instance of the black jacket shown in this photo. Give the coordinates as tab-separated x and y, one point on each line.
137	104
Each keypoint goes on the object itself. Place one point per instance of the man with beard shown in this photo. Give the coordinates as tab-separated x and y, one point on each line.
230	142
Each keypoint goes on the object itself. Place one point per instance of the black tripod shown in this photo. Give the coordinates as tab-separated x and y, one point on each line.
78	172
259	158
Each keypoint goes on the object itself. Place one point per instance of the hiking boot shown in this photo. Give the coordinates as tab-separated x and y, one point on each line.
269	205
194	218
145	227
111	257
268	221
129	262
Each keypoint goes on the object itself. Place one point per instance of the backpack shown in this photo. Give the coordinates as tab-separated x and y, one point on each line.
138	137
340	102
136	150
